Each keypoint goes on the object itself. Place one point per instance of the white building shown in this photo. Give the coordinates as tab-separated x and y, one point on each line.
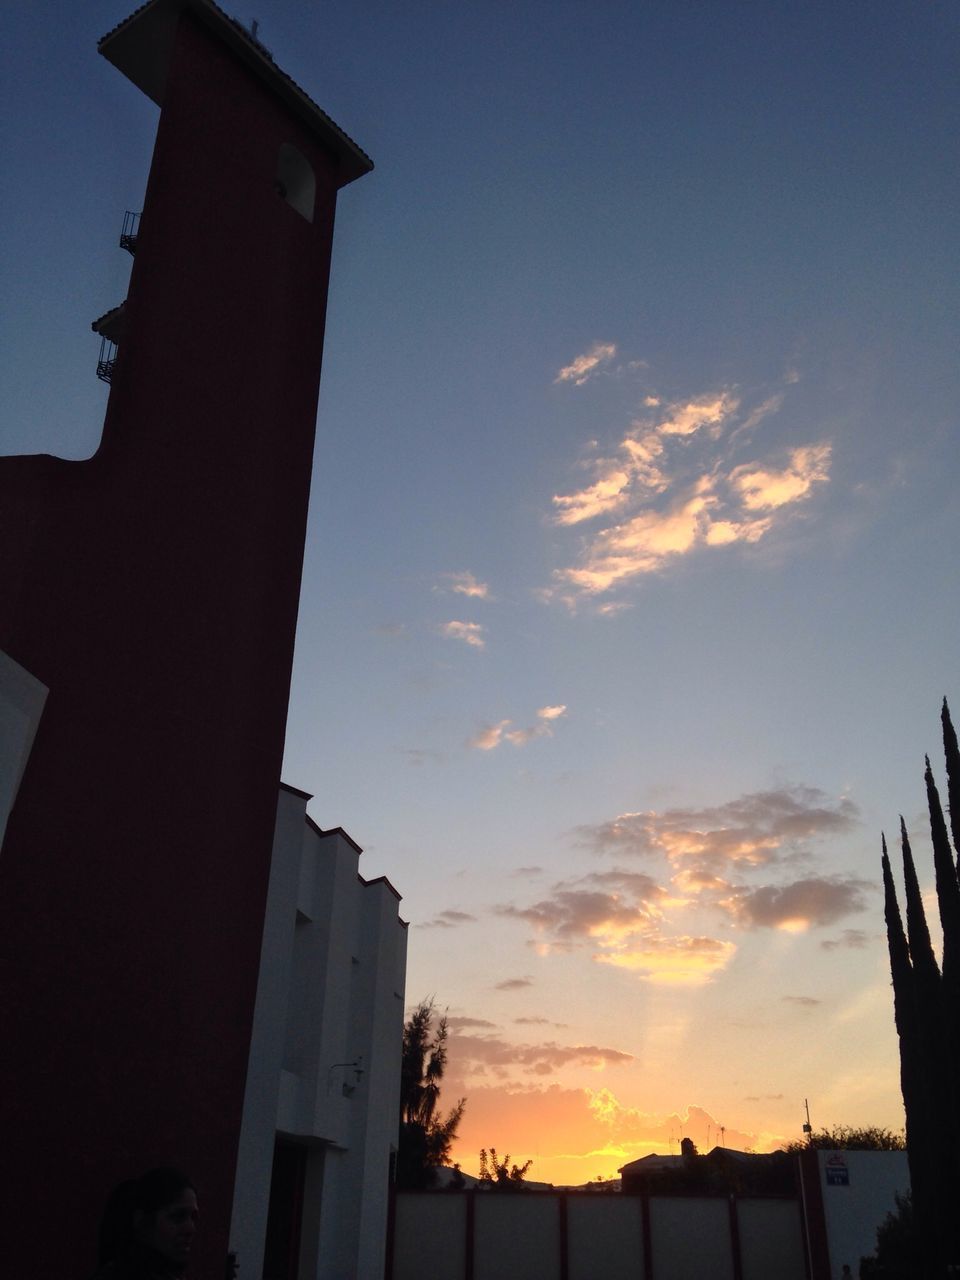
322	1098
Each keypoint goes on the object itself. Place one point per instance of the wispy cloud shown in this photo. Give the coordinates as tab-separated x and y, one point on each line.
753	419
856	939
469	632
465	584
754	829
670	488
472	1051
585	366
766	490
513	984
802	1002
492	735
489	737
420	756
449	919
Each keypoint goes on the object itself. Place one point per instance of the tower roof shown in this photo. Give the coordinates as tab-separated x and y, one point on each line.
142	44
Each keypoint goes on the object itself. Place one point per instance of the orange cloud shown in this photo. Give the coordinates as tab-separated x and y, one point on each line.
491	736
574	1135
606	494
764	490
683	419
671	491
465	584
583	367
680	961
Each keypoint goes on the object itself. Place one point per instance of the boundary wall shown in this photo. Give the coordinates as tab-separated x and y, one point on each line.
570	1235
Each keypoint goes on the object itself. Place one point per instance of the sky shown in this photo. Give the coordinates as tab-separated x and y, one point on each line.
629	597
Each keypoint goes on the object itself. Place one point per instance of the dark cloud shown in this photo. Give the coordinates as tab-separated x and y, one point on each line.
539	1022
854	938
449	920
460	1023
473	1052
527	871
804	1002
513	984
618	901
758	828
815	901
618	913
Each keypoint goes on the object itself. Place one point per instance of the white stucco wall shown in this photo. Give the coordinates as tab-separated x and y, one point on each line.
330	994
854	1209
22	697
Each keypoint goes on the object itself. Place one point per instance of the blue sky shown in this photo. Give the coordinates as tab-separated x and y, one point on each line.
630	588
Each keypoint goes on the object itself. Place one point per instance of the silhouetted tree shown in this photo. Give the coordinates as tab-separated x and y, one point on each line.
845	1137
897	1246
425	1136
500	1173
926	1001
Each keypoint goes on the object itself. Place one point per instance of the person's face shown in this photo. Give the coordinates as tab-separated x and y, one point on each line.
170	1230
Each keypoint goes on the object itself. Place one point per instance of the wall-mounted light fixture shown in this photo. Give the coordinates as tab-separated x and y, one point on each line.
346	1087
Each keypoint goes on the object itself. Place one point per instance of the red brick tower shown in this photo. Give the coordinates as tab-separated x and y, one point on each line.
154	589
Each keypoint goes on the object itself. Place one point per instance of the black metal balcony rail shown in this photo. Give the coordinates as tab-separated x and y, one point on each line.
107	361
130	232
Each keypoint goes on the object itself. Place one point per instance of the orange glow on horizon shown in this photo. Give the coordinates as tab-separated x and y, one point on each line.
575	1135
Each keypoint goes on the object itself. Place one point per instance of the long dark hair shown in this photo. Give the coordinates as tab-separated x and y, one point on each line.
146	1194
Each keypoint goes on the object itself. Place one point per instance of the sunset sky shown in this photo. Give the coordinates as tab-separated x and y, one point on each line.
630	593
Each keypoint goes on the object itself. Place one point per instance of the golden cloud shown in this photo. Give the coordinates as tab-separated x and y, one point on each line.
682	961
709	411
673	491
583	367
764	490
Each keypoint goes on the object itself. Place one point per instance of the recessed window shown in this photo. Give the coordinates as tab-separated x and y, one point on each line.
296	181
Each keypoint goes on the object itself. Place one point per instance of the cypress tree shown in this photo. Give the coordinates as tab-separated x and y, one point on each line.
952	754
926	1005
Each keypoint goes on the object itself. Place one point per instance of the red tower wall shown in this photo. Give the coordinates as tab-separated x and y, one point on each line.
154	590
